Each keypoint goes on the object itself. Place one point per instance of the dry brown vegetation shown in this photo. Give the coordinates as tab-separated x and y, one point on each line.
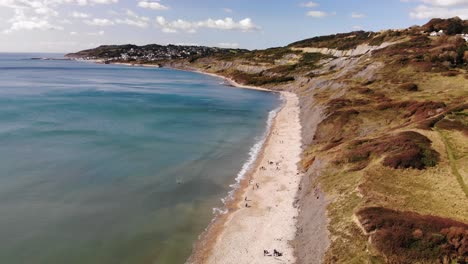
384	149
428	54
259	79
451	26
341	41
404	150
452	125
408	237
410	87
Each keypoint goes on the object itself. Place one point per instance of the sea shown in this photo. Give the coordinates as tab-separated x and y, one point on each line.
113	164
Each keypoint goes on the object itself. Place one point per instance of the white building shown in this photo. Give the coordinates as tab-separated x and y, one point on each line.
437	33
465	37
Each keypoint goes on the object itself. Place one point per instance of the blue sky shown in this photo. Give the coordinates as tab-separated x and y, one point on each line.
71	25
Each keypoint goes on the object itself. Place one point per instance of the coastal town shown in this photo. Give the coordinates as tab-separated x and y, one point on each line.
148	53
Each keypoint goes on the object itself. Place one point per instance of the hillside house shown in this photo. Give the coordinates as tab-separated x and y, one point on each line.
437	33
464	36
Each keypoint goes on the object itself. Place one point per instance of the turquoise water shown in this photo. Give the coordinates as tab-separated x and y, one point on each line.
115	164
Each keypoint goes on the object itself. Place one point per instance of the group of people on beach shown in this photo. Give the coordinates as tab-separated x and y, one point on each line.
256	185
276	253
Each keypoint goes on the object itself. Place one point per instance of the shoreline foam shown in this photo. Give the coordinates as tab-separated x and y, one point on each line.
254	152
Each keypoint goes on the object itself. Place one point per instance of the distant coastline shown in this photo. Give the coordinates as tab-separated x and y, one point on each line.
229	81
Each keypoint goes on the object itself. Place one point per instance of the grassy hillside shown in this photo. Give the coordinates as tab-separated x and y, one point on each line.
393	138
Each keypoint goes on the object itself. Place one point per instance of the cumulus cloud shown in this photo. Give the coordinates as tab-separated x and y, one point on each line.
309	4
227	23
317	14
426	12
38	4
41	14
21	21
43	8
79	15
133	19
440	9
101	22
152	5
446	2
89	2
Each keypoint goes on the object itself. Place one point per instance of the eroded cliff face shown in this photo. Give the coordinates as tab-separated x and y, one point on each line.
357	51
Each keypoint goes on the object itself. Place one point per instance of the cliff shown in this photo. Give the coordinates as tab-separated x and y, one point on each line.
385	138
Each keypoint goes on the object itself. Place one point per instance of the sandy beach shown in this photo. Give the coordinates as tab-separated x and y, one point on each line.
263	216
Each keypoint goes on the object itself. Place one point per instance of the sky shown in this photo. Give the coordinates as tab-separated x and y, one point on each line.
72	25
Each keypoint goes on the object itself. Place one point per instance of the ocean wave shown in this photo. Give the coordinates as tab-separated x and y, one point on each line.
253	155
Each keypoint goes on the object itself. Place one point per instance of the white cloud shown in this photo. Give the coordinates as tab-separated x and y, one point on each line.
309	4
152	5
73	33
79	15
317	14
43	7
357	27
41	14
446	3
357	15
227	23
45	11
21	21
133	19
102	22
38	4
140	22
228	10
440	9
427	12
90	2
